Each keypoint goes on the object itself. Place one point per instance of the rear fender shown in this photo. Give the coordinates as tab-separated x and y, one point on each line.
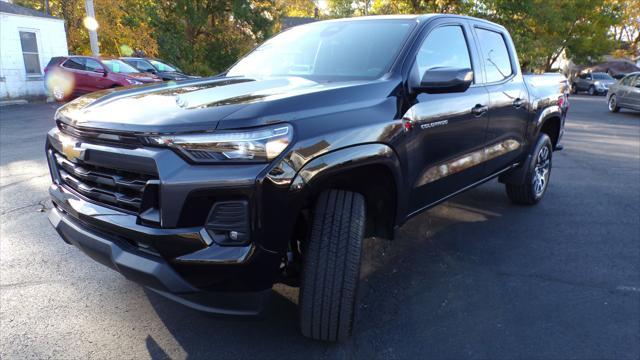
517	176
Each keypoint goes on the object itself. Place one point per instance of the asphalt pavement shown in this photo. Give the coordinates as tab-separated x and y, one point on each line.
475	277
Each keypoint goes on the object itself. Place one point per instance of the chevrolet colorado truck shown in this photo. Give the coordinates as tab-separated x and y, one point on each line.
209	191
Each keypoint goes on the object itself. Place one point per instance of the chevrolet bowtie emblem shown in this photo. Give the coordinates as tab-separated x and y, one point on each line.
71	151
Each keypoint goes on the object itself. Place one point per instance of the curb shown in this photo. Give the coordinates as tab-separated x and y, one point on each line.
13	102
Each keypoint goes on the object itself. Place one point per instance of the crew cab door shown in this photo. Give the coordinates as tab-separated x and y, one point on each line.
75	66
508	99
96	75
446	130
625	91
633	99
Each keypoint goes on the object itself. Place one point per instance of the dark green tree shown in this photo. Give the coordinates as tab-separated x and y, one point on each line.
206	36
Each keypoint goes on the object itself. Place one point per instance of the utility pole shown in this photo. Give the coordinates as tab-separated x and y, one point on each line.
46	7
93	32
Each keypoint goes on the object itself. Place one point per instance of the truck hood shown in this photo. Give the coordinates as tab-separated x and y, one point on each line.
201	104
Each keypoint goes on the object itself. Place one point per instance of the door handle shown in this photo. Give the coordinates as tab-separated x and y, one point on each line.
479	110
518	103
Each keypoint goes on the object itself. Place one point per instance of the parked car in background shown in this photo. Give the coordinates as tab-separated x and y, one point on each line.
160	68
69	76
593	83
625	93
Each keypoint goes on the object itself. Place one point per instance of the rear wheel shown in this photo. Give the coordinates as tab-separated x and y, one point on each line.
613	104
574	89
592	90
331	268
58	92
537	178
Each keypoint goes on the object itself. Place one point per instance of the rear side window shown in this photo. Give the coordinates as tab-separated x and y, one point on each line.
445	46
55	60
628	81
143	66
635	81
93	65
497	62
74	63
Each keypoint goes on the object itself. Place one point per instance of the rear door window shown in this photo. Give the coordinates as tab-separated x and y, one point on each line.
75	64
93	65
495	54
628	81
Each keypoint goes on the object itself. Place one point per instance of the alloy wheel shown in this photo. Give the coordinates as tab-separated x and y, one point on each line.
541	171
612	103
58	92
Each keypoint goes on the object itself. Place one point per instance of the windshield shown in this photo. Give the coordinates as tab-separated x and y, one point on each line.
160	66
335	50
602	77
118	66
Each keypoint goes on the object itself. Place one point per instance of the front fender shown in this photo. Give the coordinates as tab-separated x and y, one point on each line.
316	172
345	159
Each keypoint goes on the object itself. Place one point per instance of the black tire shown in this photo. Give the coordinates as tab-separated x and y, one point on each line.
529	193
574	89
592	90
331	268
613	104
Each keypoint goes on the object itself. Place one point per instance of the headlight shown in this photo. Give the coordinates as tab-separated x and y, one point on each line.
598	84
133	82
257	145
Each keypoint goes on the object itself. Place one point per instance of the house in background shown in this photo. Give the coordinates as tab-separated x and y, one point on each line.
28	40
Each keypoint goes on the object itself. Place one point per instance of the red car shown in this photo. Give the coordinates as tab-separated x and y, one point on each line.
69	76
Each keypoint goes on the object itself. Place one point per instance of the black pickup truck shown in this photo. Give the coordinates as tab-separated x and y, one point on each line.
209	191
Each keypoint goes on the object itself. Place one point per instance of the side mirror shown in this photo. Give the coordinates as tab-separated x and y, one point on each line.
100	71
445	80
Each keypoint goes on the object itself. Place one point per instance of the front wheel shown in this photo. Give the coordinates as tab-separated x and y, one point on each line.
613	104
574	89
537	178
331	267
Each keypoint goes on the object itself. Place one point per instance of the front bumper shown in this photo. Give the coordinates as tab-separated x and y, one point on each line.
153	272
172	253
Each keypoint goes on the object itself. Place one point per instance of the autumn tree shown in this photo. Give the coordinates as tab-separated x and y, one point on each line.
421	6
626	32
206	36
544	30
297	8
123	25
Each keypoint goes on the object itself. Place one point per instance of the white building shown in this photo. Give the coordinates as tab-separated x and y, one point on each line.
28	40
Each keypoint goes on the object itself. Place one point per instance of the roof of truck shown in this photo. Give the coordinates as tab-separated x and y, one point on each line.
422	17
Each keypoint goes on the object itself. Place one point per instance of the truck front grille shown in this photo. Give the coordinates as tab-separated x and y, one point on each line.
117	188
